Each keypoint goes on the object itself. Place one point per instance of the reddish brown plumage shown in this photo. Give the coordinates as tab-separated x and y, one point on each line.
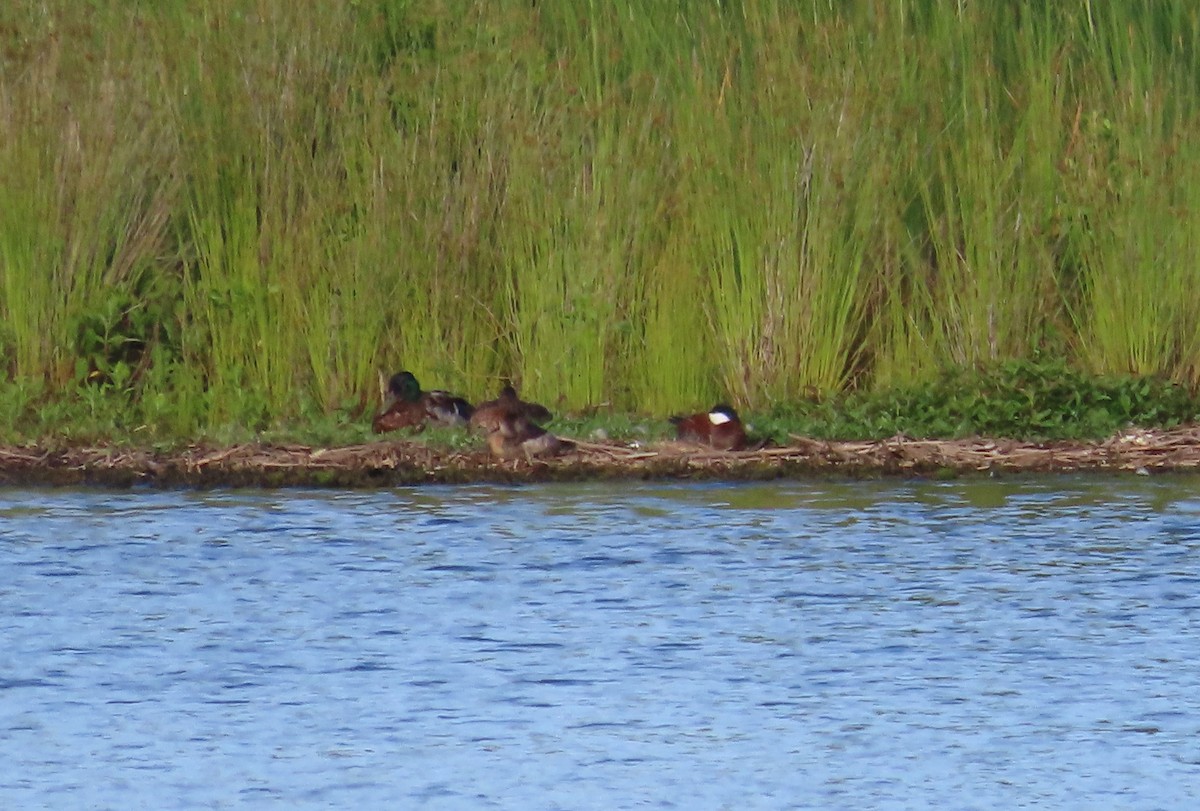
400	414
720	428
409	407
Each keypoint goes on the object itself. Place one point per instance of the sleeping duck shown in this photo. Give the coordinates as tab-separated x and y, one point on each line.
488	414
513	436
409	407
720	427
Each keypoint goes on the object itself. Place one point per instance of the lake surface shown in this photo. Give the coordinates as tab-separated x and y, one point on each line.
1022	643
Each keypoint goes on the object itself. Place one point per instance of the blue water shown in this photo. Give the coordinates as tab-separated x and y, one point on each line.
1029	643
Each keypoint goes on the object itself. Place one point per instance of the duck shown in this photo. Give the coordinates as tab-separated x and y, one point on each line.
409	407
488	414
513	436
719	427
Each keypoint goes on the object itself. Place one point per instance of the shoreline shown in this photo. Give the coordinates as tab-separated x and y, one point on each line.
400	462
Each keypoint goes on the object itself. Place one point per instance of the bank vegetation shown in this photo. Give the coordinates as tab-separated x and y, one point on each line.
227	217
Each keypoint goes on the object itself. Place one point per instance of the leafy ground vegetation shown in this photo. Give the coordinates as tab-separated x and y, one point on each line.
1017	399
223	219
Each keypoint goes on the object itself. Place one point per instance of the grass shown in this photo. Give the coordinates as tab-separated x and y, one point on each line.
1033	400
1041	399
235	218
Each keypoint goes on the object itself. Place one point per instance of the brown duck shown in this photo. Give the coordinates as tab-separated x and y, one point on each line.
409	407
513	436
487	415
720	427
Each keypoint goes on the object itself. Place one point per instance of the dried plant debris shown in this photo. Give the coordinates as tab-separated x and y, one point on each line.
397	462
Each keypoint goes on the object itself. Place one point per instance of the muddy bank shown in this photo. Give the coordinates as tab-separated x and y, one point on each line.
408	462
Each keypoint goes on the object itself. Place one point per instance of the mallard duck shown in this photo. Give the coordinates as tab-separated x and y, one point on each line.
409	407
487	415
720	427
514	437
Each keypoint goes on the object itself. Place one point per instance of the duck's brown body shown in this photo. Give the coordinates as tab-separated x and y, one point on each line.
409	407
514	437
720	428
488	415
399	414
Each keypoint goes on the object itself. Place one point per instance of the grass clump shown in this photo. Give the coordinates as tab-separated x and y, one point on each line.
1035	400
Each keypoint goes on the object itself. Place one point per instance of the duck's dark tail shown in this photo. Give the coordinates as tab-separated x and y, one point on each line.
536	412
461	408
447	410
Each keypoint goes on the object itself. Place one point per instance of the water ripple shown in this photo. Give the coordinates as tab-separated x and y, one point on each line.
978	644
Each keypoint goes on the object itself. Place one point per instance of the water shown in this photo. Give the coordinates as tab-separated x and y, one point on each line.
1029	643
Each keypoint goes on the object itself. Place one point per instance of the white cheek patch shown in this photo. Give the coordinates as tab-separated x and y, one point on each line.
717	418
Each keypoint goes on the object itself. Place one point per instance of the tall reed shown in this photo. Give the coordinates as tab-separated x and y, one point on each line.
1132	160
86	188
247	211
775	163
